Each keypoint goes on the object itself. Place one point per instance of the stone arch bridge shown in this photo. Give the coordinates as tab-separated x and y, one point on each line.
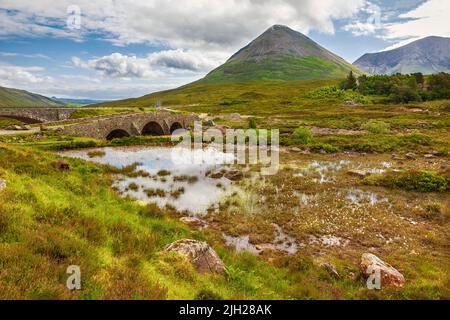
134	124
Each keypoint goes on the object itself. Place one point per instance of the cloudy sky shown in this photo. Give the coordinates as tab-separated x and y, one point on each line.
113	49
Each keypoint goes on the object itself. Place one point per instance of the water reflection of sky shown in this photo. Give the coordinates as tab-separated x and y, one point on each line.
197	196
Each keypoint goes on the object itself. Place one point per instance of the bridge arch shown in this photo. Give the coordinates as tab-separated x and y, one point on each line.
153	128
117	134
175	126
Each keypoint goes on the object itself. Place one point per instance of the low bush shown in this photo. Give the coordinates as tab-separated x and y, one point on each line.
420	181
376	127
302	135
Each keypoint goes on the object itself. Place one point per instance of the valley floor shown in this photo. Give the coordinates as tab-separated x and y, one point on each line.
274	238
368	177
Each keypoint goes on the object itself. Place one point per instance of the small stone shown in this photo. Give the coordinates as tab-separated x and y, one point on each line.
26	127
350	103
234	175
411	156
193	222
429	156
43	127
390	276
2	184
203	257
217	175
358	173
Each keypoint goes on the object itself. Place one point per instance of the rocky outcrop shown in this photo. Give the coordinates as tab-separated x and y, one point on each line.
202	256
389	276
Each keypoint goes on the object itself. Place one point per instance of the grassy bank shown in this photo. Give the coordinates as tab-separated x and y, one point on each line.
51	219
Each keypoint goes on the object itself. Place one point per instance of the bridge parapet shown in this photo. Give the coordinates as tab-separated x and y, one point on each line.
37	115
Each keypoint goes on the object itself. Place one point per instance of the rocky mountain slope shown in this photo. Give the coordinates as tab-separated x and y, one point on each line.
428	55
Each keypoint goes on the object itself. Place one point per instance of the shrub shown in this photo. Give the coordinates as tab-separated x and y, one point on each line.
417	138
302	135
421	181
207	294
328	148
350	82
404	93
376	127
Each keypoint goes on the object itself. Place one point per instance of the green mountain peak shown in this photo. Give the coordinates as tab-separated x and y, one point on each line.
281	53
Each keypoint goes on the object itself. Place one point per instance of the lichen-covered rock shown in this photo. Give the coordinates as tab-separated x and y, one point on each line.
389	275
204	258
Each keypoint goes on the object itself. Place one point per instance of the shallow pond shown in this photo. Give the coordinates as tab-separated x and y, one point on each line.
173	179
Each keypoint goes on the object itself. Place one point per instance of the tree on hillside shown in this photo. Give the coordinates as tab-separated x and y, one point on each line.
420	79
350	82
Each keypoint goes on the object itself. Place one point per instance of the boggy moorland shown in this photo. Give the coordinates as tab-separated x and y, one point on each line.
360	173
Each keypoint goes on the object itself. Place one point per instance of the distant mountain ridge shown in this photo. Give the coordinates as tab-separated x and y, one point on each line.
78	101
281	53
428	55
20	98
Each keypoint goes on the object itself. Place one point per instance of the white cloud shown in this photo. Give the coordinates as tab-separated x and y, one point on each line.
182	60
122	66
11	76
428	19
369	24
157	64
195	24
30	56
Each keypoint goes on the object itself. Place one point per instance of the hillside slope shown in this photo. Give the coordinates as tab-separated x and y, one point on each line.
20	98
428	55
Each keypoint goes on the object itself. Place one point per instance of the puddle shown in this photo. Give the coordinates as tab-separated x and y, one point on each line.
323	171
359	197
283	242
241	244
329	241
180	184
354	197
